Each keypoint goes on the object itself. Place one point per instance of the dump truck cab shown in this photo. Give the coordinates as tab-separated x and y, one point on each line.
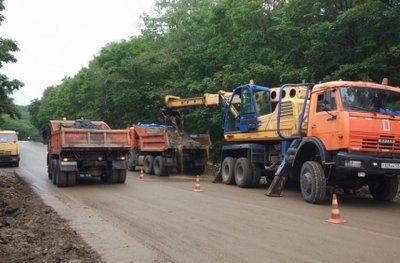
9	147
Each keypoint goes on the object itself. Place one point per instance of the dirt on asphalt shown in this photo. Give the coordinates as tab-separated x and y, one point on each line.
31	231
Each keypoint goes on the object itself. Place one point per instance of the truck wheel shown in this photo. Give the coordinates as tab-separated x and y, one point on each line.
312	182
384	188
159	166
228	170
112	177
243	173
131	167
117	177
256	175
54	179
61	179
71	178
148	164
49	172
122	176
54	171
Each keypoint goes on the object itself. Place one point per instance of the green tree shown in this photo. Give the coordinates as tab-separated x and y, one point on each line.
26	130
7	86
195	46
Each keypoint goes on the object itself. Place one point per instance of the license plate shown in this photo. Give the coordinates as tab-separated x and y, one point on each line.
390	165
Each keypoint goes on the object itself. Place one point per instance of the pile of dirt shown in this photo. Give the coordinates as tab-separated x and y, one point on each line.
31	231
179	138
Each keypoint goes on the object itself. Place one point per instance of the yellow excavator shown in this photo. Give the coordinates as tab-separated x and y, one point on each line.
256	126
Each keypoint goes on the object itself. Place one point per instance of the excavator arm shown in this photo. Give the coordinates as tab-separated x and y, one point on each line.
251	112
208	100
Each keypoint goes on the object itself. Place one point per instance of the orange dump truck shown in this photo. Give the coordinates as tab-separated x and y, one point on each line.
82	148
162	148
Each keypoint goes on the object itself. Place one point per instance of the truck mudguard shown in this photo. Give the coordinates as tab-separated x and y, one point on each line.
311	148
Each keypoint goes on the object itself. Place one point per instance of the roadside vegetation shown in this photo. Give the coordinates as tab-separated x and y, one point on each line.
26	131
7	85
194	46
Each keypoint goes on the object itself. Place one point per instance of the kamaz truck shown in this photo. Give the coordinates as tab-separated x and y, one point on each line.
86	148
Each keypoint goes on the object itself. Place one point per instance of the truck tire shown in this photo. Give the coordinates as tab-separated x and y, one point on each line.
54	178
313	182
122	176
159	166
54	171
49	168
131	167
61	179
384	188
256	175
112	177
148	164
243	173
116	177
71	178
49	172
228	170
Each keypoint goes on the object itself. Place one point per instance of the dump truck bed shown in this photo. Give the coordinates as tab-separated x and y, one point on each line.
158	138
65	135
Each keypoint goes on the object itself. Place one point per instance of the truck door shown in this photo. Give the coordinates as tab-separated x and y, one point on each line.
324	119
240	115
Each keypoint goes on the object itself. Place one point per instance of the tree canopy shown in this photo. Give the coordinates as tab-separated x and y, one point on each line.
195	46
7	86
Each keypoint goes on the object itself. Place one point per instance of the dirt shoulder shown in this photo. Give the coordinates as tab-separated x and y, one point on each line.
32	231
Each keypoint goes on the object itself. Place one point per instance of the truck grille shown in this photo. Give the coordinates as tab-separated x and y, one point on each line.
375	143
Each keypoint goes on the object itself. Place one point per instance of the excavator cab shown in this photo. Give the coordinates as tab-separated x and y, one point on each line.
246	104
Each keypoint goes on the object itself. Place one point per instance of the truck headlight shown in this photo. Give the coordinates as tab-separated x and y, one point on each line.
352	163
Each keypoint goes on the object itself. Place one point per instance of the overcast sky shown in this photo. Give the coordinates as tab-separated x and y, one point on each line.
58	37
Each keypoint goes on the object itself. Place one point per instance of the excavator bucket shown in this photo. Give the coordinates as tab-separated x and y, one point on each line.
171	117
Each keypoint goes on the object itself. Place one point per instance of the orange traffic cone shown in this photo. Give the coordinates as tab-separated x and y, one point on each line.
335	214
197	185
141	176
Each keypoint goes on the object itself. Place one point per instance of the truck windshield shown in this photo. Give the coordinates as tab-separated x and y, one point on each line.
8	137
364	99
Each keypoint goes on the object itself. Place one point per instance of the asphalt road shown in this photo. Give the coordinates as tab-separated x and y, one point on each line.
163	220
